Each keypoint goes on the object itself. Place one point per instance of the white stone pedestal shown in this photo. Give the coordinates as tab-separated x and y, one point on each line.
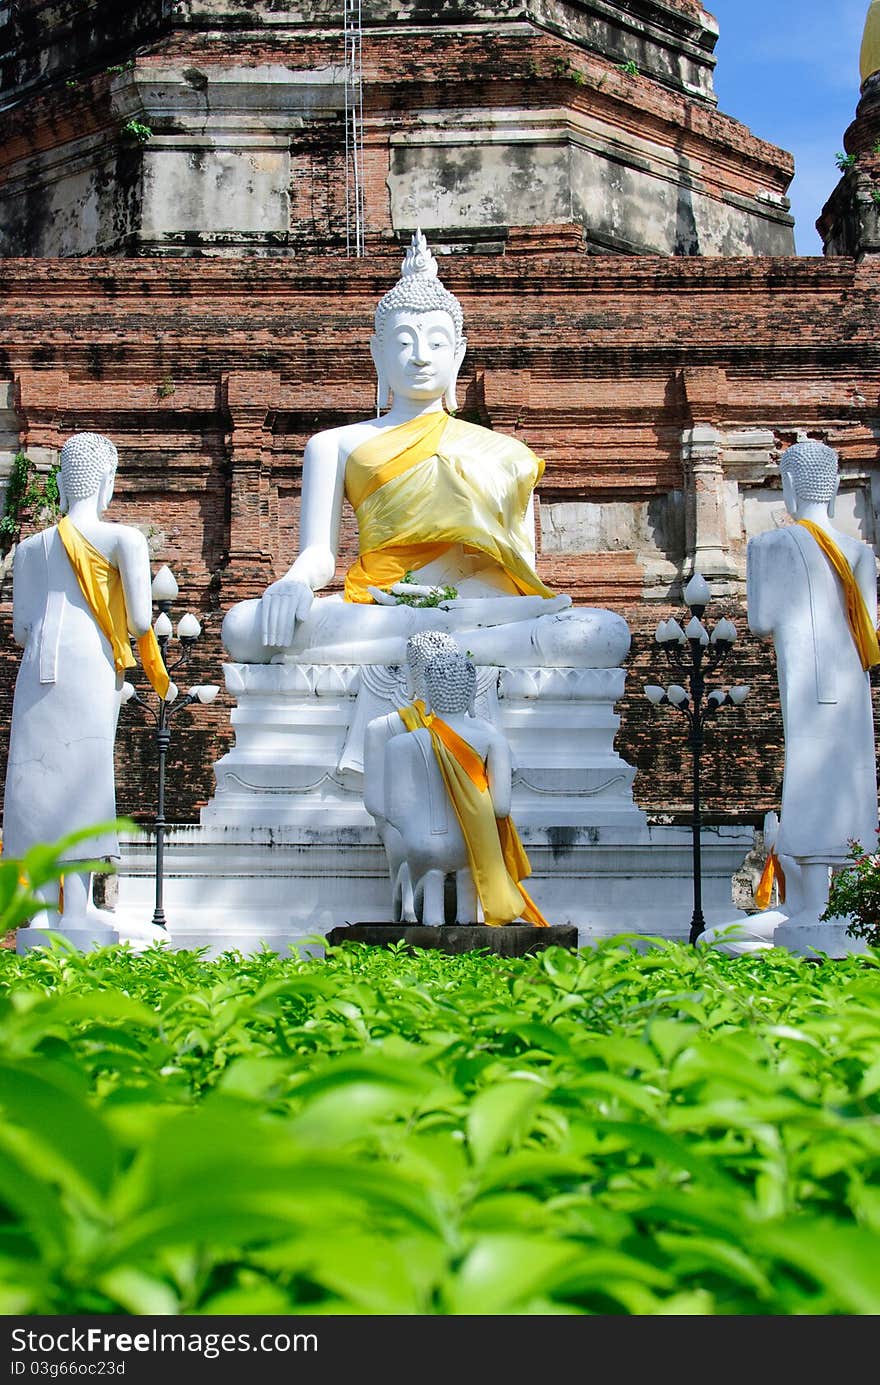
247	888
83	939
286	851
812	939
802	936
298	754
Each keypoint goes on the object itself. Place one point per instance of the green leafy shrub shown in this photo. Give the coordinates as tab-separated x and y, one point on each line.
845	161
855	894
613	1131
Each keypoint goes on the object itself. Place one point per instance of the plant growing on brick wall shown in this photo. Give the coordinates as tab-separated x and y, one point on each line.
562	68
27	494
630	68
845	161
135	131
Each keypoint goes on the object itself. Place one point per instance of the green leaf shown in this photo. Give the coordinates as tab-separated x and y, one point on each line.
527	1167
33	1202
260	1298
499	1115
501	1271
136	1292
341	1101
350	1109
254	1079
629	1092
371	1273
842	1260
695	1256
74	1142
664	1149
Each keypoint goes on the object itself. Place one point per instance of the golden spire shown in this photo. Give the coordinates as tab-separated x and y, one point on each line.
869	58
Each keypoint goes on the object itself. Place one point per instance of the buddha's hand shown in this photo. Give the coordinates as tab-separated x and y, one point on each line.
382	598
501	610
282	607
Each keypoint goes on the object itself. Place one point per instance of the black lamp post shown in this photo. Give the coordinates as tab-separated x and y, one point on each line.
694	654
164	590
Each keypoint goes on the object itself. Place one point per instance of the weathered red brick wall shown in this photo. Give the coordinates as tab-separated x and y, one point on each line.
210	376
436	68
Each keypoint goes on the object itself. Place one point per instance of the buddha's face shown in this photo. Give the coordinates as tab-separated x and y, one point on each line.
417	355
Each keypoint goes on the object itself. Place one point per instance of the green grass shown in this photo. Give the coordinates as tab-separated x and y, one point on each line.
604	1132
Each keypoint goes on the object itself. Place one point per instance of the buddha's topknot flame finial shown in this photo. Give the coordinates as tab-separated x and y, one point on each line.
419	289
418	259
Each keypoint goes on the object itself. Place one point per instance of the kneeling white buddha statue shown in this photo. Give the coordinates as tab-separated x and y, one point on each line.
447	501
439	777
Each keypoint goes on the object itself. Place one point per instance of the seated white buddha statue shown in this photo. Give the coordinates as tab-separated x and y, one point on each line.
449	502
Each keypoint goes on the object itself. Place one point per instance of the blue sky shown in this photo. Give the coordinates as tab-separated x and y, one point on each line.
789	69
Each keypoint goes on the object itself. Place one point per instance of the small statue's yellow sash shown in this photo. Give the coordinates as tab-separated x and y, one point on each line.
101	585
863	632
432	482
496	855
771	875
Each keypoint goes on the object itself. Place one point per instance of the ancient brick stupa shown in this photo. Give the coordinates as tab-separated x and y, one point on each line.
216	126
850	220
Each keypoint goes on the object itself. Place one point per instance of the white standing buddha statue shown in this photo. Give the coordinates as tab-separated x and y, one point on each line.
448	501
80	589
813	590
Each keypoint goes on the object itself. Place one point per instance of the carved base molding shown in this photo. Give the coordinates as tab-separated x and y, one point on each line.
298	753
287	887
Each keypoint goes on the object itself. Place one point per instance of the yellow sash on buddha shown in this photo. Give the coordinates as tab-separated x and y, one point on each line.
101	585
432	482
496	855
863	632
771	875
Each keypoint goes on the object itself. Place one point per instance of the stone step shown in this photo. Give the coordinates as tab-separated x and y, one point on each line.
514	940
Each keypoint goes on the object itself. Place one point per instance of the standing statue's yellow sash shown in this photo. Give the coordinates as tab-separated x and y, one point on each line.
863	632
101	585
496	855
771	875
436	481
